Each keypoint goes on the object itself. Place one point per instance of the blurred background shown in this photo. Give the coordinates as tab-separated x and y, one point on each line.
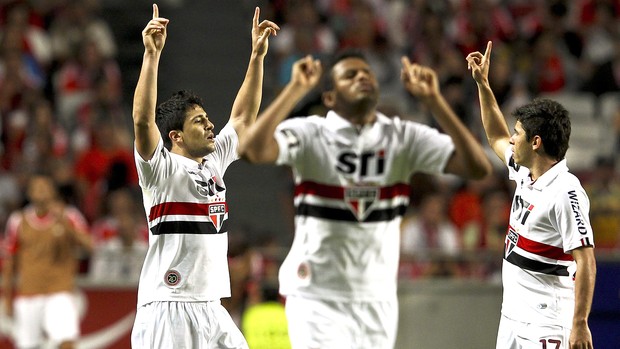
67	73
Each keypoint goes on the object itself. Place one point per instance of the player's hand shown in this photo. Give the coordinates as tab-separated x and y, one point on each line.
580	338
306	72
419	80
479	64
154	34
261	33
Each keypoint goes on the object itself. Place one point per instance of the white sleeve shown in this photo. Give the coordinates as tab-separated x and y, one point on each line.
153	171
571	211
226	145
290	138
429	150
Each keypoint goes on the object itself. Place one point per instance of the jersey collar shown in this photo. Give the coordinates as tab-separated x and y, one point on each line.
548	177
339	124
187	162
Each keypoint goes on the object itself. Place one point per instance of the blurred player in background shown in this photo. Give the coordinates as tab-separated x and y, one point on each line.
352	170
43	242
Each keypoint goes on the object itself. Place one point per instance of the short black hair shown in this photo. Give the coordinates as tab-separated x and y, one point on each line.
328	78
170	114
550	121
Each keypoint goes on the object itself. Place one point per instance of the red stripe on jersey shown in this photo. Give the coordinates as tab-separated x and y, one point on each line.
181	208
336	192
543	250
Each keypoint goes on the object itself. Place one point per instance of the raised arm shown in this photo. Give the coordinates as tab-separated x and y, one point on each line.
259	144
246	104
493	121
469	159
145	97
585	277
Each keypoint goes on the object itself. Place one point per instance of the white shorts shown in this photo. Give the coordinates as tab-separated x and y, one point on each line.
521	335
197	325
314	323
55	316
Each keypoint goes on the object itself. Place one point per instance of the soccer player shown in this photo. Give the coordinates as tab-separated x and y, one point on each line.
180	164
43	241
352	170
549	266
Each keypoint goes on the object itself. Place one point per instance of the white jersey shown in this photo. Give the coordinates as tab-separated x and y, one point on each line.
548	219
351	190
185	203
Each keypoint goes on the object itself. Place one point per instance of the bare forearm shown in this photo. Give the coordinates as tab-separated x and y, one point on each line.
493	120
584	290
145	96
475	162
259	145
248	99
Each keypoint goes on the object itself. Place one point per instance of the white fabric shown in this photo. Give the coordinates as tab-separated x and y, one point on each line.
351	191
196	325
326	324
522	335
187	261
549	218
54	316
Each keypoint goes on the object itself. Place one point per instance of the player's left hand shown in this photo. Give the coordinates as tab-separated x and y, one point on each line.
419	80
580	338
261	32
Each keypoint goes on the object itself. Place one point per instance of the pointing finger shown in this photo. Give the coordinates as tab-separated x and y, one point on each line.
487	52
155	11
256	16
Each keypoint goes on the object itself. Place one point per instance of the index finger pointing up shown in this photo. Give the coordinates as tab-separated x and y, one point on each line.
155	11
487	52
256	15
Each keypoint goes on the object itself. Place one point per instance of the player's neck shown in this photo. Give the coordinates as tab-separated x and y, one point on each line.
541	166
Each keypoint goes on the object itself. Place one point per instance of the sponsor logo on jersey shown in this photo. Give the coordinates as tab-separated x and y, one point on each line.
512	238
579	220
360	200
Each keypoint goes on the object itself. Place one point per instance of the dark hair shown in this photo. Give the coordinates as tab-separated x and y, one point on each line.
170	114
549	120
328	78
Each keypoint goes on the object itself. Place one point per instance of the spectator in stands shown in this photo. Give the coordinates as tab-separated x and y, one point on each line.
39	271
121	242
430	238
604	191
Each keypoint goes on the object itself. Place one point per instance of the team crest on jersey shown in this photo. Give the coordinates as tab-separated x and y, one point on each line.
361	200
511	241
218	213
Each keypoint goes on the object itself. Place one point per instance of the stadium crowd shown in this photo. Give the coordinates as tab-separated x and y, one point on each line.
63	111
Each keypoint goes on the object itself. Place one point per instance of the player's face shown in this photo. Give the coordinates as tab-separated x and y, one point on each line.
41	190
521	148
198	136
354	82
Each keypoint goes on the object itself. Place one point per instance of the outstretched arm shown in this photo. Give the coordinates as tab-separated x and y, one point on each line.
259	144
493	120
145	97
246	104
469	159
585	276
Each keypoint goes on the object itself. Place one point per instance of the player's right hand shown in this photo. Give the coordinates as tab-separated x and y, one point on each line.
306	72
154	34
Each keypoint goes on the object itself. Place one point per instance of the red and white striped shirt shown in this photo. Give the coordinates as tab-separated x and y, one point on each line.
548	219
185	203
351	190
